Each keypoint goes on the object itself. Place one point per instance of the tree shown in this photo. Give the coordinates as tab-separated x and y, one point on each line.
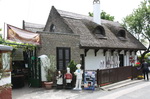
138	23
104	15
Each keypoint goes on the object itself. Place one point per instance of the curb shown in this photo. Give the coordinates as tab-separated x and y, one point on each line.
119	84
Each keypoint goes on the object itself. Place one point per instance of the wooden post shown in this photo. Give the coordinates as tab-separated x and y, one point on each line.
97	77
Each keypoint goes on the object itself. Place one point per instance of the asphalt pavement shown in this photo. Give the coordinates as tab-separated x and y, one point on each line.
42	93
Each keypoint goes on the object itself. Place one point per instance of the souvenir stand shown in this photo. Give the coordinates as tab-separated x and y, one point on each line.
89	80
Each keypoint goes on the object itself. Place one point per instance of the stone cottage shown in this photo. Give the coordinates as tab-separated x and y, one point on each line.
96	45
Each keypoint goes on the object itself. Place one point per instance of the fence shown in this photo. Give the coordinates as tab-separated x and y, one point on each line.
108	76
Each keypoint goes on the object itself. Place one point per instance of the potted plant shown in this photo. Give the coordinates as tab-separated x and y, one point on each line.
50	69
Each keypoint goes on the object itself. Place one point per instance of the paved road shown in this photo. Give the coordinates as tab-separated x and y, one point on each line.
136	91
140	90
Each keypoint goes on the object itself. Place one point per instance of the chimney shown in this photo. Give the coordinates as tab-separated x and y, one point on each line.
96	12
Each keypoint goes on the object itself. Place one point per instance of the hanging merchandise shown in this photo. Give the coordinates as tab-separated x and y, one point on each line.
89	80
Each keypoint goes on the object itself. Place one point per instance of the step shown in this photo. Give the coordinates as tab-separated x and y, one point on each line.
119	84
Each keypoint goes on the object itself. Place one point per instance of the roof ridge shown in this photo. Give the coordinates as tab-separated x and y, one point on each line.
73	15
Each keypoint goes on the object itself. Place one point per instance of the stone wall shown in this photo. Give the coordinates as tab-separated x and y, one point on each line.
50	41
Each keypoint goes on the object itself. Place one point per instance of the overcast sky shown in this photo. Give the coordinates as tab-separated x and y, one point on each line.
37	11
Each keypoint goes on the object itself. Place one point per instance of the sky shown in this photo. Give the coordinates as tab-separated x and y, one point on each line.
13	12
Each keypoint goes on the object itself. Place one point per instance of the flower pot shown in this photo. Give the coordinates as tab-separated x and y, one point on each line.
48	85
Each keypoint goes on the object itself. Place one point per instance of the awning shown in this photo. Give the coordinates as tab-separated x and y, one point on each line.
22	36
5	48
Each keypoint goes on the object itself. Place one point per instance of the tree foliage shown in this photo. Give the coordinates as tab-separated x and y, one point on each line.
104	15
138	23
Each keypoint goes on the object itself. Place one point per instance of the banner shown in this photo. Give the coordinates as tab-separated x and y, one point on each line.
22	36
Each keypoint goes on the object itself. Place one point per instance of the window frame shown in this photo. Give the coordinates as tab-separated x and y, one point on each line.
121	34
64	60
101	32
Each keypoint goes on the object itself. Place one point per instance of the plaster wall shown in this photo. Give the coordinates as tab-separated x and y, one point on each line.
92	62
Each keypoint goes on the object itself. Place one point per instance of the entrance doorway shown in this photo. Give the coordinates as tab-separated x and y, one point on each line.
25	68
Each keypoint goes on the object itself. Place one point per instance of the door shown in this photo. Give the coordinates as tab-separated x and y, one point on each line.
34	69
63	57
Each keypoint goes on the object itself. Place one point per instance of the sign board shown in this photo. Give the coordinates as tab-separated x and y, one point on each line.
89	80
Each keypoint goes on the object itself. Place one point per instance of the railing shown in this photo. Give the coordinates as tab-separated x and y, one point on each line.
108	76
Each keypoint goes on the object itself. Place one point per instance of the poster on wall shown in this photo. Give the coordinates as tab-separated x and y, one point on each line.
89	80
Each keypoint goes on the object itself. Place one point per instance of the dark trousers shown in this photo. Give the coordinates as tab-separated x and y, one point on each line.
145	74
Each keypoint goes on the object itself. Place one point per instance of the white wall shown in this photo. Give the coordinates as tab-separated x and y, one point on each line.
92	62
6	80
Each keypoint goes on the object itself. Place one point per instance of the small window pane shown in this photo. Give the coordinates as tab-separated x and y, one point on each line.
60	53
60	65
67	54
67	62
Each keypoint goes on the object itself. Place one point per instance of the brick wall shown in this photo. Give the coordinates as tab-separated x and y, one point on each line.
50	41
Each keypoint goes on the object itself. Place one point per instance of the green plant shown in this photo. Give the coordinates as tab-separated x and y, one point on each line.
50	69
72	66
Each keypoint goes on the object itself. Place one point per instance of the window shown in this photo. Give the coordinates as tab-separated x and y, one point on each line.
122	34
52	28
63	58
99	32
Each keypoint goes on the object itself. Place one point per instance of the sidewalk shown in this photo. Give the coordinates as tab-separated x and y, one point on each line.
41	93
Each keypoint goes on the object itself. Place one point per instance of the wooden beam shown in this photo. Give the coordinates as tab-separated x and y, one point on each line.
104	51
85	51
119	51
131	52
135	52
112	51
96	50
125	52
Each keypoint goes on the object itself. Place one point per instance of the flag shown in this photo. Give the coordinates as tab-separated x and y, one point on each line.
22	36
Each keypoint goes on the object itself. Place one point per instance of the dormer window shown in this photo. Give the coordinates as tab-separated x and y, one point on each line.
52	28
122	34
99	32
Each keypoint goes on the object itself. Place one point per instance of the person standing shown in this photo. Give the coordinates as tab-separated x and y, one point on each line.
145	69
